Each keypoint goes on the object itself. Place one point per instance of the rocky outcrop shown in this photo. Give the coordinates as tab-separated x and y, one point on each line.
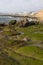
39	15
25	22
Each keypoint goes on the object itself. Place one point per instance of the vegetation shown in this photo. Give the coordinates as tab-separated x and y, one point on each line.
21	45
31	51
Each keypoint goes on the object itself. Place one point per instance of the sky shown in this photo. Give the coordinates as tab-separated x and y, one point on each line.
12	6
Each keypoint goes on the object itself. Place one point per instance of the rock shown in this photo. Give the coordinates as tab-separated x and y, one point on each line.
39	15
24	23
2	24
26	39
12	22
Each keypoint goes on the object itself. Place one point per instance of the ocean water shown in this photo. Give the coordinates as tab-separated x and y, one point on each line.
7	19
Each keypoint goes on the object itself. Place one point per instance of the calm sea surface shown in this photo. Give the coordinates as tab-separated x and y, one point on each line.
6	19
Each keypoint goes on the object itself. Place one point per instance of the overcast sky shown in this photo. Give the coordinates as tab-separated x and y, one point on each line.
12	6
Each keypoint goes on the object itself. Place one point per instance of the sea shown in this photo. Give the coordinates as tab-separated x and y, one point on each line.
7	19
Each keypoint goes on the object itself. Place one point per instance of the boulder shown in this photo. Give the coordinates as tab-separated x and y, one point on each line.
23	23
26	39
12	22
